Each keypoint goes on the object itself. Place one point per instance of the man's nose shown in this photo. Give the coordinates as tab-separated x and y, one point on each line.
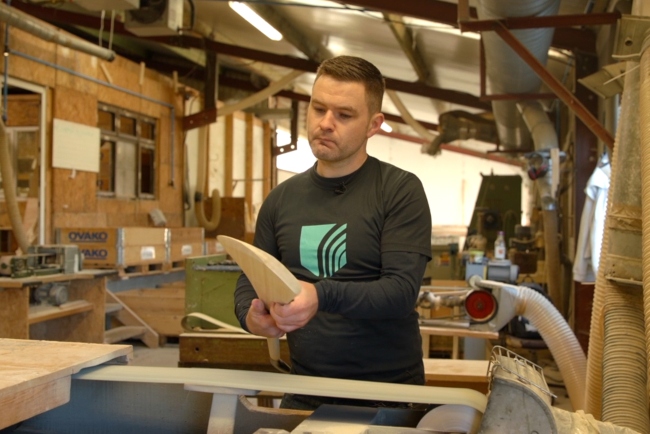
327	121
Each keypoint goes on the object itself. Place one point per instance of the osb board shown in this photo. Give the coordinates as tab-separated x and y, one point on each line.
63	219
24	110
4	215
73	105
84	327
232	221
73	194
14	309
117	206
117	219
79	62
26	69
161	308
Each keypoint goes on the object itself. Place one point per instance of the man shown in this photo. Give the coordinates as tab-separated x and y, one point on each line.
357	233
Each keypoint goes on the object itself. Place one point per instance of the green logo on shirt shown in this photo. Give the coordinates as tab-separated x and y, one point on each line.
323	249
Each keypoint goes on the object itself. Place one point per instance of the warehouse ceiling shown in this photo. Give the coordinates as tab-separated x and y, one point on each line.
415	43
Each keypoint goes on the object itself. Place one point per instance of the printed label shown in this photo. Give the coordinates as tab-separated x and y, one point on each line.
186	250
95	254
87	237
147	252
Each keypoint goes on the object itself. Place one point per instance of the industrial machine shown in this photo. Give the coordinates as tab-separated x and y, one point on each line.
134	399
43	260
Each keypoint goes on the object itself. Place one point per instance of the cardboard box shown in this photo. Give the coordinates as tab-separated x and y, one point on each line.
185	242
117	247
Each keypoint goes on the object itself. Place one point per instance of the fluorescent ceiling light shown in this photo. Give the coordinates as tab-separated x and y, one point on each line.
386	127
256	21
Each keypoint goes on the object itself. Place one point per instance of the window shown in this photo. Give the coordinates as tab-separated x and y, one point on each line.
128	154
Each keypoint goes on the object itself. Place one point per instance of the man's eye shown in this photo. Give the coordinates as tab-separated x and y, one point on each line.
345	116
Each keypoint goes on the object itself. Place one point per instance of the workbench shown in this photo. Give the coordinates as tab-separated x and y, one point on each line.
80	319
35	376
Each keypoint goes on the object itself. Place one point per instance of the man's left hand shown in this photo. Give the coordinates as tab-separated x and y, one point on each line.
294	315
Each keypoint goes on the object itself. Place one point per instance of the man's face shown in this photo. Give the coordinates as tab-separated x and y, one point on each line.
339	123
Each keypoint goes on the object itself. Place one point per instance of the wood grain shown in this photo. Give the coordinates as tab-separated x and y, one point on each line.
35	375
272	281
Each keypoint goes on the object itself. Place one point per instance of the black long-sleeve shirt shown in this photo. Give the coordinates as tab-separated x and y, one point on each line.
364	241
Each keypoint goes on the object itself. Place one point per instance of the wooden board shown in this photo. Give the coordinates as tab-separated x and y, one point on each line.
272	281
471	374
35	375
220	380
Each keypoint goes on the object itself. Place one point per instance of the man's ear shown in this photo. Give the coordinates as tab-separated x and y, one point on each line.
375	124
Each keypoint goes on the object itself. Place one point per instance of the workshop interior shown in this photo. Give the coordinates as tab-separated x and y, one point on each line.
139	138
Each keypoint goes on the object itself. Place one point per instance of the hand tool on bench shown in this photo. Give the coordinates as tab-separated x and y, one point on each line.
272	282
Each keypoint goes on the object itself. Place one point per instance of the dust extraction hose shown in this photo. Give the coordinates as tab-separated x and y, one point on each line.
551	325
9	183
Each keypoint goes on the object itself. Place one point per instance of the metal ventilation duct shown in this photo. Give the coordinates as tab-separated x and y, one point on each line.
506	72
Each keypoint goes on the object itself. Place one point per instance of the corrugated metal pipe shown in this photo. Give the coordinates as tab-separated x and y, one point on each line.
29	24
617	370
507	73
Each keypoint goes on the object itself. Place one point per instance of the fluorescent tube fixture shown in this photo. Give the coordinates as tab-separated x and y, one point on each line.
256	21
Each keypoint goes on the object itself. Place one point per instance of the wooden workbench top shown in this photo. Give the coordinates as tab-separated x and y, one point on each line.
35	375
9	282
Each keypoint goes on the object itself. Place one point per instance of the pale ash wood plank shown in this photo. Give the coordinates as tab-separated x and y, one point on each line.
470	371
35	375
272	281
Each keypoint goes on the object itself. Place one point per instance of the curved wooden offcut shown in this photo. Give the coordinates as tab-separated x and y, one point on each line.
272	282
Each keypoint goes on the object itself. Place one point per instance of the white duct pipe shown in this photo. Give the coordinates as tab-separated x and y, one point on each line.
558	336
29	24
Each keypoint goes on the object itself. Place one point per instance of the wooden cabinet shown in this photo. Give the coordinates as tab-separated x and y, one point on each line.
80	319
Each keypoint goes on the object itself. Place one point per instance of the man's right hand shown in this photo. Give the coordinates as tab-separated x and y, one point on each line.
260	322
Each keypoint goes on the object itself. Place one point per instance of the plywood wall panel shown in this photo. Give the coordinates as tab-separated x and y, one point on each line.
80	63
26	69
74	220
73	191
23	110
75	106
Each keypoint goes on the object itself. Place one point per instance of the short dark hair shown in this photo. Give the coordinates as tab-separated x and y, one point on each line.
351	68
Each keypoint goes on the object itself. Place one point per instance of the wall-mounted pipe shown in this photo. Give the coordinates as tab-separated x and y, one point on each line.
29	24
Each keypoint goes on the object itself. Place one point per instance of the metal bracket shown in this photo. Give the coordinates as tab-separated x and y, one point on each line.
631	31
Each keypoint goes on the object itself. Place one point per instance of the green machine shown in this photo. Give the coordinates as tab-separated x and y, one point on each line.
209	289
497	208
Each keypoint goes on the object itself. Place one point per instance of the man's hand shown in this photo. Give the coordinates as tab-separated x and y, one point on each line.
260	322
294	315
